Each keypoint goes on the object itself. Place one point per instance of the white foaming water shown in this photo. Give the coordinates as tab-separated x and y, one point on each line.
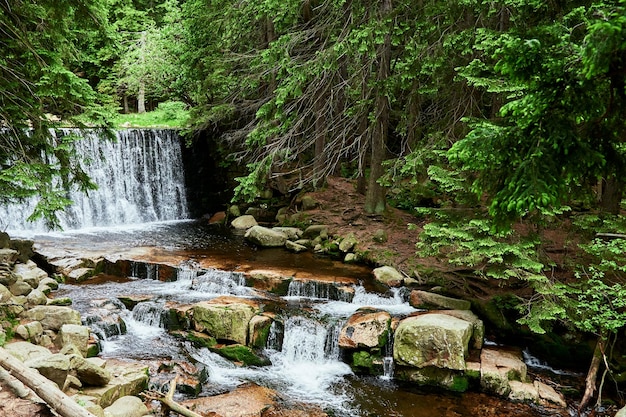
534	362
307	368
394	304
219	282
139	176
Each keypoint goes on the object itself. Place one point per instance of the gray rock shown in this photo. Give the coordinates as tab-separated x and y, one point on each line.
30	273
63	301
24	247
8	256
233	211
295	247
5	294
265	237
129	378
7	277
25	351
36	298
498	367
429	300
351	258
478	327
5	240
432	340
31	332
89	373
52	317
81	274
292	233
20	288
224	318
380	236
309	203
348	243
51	283
127	406
244	222
74	335
315	230
55	367
388	275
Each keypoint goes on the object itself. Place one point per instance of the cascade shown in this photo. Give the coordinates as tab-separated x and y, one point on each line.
149	313
140	179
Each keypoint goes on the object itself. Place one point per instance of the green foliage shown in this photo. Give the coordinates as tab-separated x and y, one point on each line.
473	245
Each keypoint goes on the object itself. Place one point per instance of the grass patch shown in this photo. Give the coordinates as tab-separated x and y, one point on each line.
171	114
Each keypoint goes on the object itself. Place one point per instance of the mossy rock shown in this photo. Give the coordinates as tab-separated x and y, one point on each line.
241	353
364	361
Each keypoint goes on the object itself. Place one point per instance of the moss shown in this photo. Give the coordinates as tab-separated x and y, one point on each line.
241	353
459	383
201	339
369	362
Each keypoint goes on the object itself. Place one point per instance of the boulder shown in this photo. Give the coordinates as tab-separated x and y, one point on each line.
128	378
351	258
51	283
31	332
52	317
308	203
536	392
8	256
5	240
259	330
367	328
89	372
127	406
244	222
74	335
20	287
498	367
348	243
225	318
478	327
247	400
234	211
295	247
36	298
429	300
55	367
436	377
25	351
315	230
265	237
388	275
25	249
7	277
5	294
30	273
432	340
292	233
81	274
240	354
380	236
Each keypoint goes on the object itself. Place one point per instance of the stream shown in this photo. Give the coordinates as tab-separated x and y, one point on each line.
138	215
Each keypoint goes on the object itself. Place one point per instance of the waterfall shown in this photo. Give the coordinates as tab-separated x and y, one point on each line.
140	179
149	313
218	282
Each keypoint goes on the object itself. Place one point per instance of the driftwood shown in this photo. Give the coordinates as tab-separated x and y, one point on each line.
592	374
168	400
42	387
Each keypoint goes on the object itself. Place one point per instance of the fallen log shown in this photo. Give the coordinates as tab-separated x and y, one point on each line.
45	389
168	400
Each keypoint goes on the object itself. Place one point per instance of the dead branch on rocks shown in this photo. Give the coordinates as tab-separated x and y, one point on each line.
47	390
168	400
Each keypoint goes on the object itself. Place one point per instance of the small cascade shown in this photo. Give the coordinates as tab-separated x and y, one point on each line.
139	175
144	270
309	340
149	313
275	336
218	282
534	362
388	363
314	290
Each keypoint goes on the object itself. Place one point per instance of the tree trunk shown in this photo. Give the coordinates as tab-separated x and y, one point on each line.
126	108
611	195
42	387
141	98
592	374
375	198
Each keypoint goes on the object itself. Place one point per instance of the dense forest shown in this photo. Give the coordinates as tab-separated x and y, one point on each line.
509	112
